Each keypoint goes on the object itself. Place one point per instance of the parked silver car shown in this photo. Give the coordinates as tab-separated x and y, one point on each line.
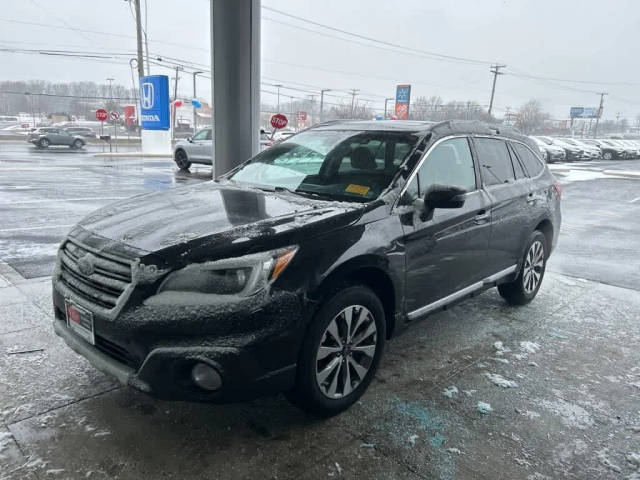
196	149
46	136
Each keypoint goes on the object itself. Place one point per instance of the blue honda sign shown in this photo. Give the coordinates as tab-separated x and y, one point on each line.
154	102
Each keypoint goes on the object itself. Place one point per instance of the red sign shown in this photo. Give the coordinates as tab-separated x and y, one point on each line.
279	121
114	115
101	114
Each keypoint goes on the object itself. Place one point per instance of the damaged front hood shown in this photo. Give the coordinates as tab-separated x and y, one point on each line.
213	214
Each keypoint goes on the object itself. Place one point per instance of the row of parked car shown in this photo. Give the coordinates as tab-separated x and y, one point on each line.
574	150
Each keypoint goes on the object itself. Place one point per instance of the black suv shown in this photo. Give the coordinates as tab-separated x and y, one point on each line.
291	272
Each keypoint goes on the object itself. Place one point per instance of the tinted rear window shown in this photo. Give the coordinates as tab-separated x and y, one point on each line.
495	161
531	162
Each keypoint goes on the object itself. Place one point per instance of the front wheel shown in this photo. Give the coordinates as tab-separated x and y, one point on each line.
341	352
44	143
182	160
77	144
525	287
607	156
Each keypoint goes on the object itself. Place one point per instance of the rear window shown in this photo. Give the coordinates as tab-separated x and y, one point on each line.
495	161
529	159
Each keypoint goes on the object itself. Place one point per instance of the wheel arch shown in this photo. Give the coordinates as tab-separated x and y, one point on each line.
546	227
181	149
371	272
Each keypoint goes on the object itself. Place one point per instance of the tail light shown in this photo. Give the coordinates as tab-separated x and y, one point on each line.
558	188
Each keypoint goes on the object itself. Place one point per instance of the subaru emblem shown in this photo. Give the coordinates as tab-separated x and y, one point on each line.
85	265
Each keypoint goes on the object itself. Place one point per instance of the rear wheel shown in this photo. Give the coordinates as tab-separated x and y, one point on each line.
182	160
44	143
525	287
341	352
607	155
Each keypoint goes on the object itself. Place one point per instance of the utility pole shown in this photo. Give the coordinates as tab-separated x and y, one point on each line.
322	103
195	115
139	39
385	105
354	92
175	96
291	107
602	94
618	121
312	101
495	69
278	87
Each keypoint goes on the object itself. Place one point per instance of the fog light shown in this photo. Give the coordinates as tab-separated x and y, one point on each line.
206	377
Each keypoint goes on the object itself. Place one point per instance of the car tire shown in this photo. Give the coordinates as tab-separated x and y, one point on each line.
534	263
44	143
77	144
334	360
607	156
181	159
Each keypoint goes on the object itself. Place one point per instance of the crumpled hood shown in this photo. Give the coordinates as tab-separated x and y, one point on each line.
214	214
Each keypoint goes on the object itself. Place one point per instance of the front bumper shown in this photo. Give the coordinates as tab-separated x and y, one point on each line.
253	349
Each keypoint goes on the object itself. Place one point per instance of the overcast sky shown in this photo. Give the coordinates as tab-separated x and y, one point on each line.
577	40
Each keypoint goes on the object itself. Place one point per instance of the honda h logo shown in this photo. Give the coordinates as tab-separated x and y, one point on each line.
146	95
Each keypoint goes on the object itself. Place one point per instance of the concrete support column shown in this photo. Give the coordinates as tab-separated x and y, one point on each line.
235	59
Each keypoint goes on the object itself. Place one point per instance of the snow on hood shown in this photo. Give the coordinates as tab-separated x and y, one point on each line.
156	221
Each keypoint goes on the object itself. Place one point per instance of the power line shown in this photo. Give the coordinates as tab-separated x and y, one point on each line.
375	40
90	97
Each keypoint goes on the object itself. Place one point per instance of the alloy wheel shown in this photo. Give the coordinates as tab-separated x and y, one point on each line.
533	267
181	159
346	351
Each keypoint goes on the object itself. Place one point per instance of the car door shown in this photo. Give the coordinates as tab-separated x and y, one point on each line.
538	189
445	251
508	196
202	145
56	137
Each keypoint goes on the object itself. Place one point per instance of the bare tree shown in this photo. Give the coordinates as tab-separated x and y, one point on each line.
531	117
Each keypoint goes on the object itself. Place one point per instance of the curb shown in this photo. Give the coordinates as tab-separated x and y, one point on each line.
133	154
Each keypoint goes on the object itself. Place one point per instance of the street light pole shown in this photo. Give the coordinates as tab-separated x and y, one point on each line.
322	103
195	115
175	96
278	87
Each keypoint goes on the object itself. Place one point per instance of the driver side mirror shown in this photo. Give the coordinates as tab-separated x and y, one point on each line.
444	196
190	139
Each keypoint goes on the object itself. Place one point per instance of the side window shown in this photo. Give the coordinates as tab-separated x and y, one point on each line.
517	166
531	162
495	161
201	135
450	163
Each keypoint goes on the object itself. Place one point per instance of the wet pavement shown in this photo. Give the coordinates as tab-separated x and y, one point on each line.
480	391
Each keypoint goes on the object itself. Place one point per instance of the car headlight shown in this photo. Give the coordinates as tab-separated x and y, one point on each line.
241	276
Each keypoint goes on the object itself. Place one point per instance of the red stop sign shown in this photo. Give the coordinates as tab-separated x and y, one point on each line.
279	121
101	114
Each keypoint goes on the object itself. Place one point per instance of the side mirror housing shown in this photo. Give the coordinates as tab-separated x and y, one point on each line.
444	196
189	139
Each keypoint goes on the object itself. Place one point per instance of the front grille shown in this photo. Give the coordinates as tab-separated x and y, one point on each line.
116	352
107	279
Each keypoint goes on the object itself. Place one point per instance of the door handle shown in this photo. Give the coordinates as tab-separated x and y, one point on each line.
532	199
481	217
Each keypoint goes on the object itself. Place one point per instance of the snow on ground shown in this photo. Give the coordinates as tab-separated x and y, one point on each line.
500	381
